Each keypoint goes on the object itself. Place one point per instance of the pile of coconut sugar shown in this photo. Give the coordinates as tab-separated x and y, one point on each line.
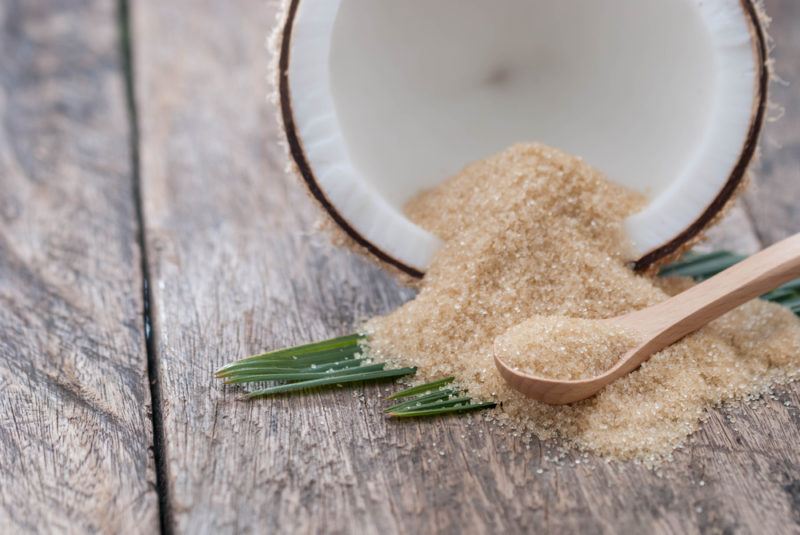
565	348
536	232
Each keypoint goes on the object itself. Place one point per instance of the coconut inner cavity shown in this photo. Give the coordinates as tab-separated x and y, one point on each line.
531	234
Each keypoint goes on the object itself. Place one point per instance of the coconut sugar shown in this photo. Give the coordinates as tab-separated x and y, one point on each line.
564	348
533	233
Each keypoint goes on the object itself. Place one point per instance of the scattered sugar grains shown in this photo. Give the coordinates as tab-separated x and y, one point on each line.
534	232
564	348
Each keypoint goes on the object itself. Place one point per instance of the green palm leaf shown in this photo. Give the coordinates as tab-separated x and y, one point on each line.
341	361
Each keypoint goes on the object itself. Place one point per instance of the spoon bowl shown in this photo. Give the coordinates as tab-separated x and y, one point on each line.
667	322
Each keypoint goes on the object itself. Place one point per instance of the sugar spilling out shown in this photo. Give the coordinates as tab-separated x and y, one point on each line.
533	237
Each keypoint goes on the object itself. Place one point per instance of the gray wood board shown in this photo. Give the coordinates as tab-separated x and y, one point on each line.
236	266
75	430
774	196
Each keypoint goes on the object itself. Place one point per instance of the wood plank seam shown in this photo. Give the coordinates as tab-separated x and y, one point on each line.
234	270
76	433
162	488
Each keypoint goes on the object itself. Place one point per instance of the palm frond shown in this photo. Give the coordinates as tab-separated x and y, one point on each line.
340	361
332	362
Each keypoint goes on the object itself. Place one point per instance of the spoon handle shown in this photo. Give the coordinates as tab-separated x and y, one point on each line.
688	311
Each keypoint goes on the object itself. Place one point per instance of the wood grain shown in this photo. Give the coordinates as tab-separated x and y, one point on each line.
235	267
75	433
774	197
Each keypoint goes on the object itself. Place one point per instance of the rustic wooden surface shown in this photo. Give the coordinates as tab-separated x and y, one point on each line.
234	271
75	429
772	200
234	266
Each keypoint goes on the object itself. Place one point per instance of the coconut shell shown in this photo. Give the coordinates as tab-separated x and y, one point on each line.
341	234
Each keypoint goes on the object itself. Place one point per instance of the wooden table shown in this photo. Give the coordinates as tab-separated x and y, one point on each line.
149	233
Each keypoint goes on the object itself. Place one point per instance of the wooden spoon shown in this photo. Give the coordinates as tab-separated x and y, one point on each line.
667	322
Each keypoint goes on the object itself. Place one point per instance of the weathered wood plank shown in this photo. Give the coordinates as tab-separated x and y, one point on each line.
774	198
236	267
75	434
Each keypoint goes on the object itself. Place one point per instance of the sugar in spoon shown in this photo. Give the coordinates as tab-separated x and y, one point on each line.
667	322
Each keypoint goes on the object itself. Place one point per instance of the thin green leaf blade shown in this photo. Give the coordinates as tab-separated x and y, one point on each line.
316	348
343	379
422	389
691	258
703	267
463	400
313	368
793	303
422	400
790	289
302	376
444	410
290	361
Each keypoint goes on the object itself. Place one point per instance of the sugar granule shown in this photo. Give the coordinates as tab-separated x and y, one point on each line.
531	232
558	347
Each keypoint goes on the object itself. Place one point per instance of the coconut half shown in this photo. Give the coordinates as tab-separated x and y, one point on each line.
383	98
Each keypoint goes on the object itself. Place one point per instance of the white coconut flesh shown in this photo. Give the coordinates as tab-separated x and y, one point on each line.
384	98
